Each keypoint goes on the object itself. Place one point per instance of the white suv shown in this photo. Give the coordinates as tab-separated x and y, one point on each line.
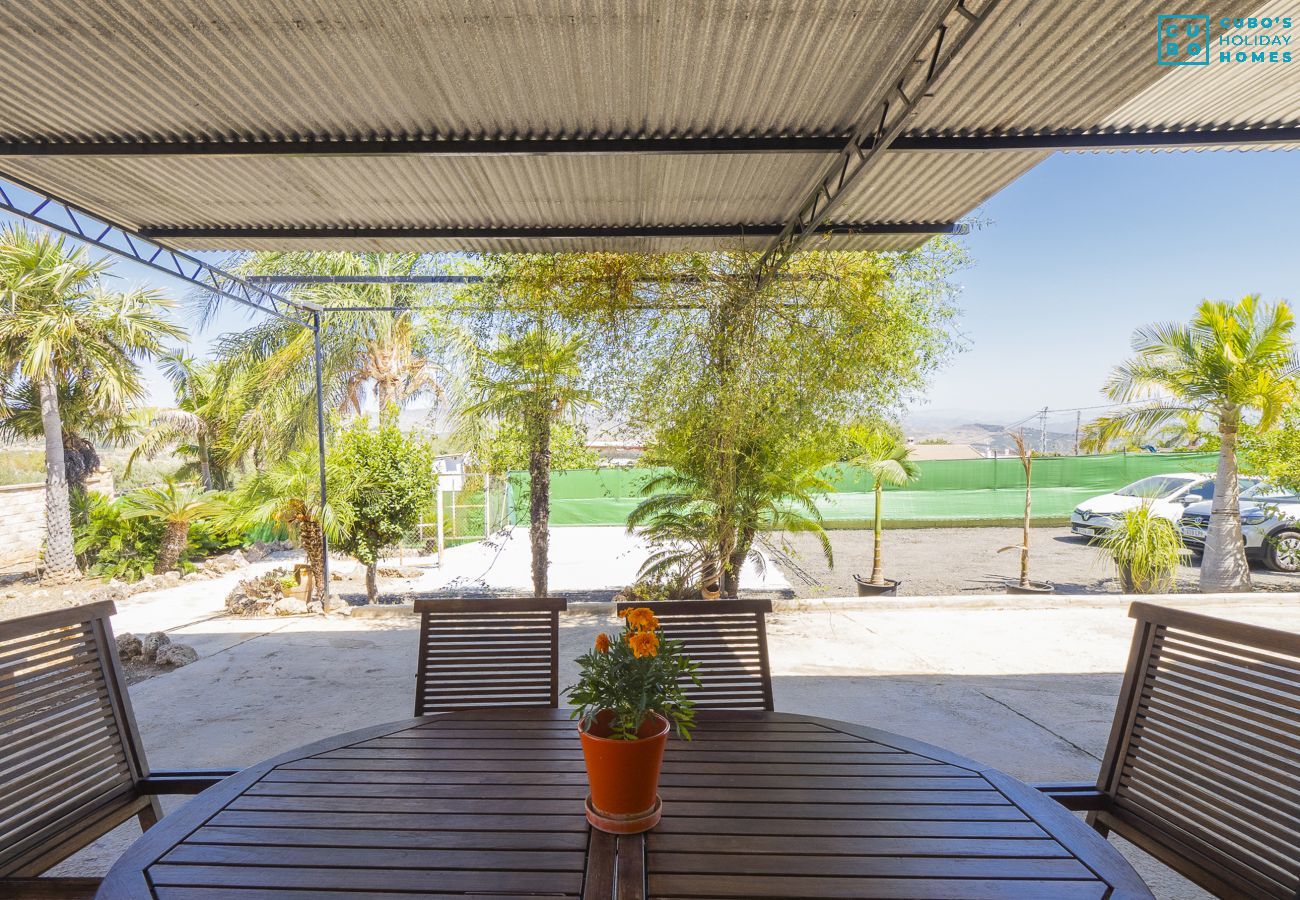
1167	494
1270	526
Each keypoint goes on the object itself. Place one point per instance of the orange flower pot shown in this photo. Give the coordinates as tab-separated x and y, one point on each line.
624	775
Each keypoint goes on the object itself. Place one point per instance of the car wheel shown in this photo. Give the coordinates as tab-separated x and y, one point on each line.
1282	551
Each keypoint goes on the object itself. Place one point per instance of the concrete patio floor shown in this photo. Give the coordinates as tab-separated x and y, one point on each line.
1031	692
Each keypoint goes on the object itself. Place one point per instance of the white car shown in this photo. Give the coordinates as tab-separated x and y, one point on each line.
1168	495
1270	526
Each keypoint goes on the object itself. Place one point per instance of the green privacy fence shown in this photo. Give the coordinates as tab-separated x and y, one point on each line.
967	491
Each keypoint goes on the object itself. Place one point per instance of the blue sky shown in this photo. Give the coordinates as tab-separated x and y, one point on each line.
1069	260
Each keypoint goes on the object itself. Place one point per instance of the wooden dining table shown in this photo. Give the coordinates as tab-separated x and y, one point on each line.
489	804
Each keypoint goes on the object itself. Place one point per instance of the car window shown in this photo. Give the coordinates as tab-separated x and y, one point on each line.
1260	490
1205	489
1157	487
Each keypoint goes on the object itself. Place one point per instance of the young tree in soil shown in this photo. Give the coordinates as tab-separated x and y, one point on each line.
392	483
883	452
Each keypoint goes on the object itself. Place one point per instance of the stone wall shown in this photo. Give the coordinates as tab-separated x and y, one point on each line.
22	521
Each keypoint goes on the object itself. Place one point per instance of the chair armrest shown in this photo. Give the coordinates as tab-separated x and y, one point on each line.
51	888
1079	796
183	781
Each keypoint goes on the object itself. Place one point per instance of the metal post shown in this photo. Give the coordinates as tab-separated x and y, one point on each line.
320	453
441	539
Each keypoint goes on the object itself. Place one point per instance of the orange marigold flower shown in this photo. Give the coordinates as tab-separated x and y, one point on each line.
602	643
644	643
642	619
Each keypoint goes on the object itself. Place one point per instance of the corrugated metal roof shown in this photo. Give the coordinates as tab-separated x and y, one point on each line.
264	70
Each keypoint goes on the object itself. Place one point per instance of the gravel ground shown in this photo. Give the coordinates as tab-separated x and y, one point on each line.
943	561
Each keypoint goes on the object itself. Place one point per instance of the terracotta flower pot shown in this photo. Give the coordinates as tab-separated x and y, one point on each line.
624	775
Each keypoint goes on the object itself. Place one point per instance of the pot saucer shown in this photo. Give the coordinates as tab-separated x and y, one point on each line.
633	824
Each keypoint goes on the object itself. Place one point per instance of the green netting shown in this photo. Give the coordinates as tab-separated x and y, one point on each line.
968	491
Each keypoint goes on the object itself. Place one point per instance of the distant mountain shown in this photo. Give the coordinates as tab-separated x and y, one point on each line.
985	437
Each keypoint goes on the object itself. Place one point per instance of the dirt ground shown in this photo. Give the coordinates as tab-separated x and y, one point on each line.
943	561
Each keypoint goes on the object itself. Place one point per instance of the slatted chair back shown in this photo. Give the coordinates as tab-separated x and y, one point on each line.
70	754
488	652
1203	766
728	640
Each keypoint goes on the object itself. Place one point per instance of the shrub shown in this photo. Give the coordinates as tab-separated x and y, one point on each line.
114	546
1145	548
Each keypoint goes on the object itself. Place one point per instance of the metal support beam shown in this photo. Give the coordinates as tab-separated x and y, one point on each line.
1094	140
1074	139
320	460
924	63
58	215
241	232
710	144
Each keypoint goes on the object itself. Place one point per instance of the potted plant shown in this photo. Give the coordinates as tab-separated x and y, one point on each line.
889	460
629	694
1024	585
1146	549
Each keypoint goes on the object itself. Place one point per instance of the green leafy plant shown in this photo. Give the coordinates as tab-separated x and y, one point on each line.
636	673
392	481
112	545
1146	549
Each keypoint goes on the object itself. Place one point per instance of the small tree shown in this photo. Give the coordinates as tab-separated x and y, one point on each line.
392	481
176	507
534	381
1027	462
287	495
884	454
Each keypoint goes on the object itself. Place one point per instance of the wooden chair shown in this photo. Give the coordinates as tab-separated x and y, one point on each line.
1203	766
488	652
728	639
72	767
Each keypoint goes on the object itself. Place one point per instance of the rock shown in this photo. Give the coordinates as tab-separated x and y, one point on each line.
169	579
111	591
151	643
39	593
195	576
289	606
399	572
256	552
128	647
315	608
176	655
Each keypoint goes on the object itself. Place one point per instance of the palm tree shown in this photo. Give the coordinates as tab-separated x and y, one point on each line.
535	380
287	495
395	351
177	507
200	423
887	457
1229	361
62	325
699	538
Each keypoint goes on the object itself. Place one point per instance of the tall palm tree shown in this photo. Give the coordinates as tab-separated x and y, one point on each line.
177	507
199	425
1232	359
885	454
288	495
61	324
534	379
